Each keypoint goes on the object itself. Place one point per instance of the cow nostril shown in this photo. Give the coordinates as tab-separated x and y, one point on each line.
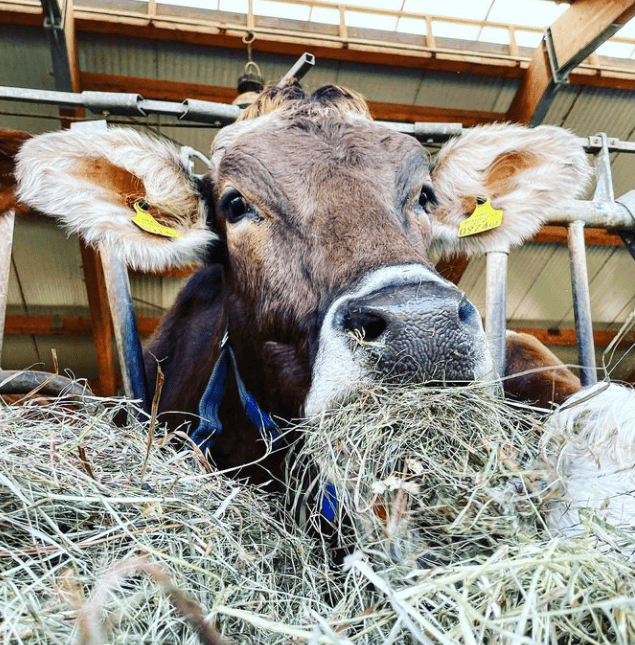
467	312
368	325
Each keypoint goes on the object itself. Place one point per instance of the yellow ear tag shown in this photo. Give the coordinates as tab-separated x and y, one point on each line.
484	218
147	223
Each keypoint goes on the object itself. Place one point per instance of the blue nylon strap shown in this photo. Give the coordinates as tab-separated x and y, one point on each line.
210	426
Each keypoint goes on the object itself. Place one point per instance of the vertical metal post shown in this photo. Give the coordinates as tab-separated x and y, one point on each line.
7	220
579	275
582	303
496	305
125	326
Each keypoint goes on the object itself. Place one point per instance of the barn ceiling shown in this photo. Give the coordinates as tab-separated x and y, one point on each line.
421	66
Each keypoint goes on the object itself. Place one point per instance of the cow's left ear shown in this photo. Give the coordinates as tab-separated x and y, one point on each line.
527	173
120	189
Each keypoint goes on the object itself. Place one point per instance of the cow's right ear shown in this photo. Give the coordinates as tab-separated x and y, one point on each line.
119	189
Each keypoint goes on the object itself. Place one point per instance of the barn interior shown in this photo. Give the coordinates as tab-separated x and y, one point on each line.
471	63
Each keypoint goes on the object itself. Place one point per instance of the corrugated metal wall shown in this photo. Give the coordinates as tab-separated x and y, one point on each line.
47	274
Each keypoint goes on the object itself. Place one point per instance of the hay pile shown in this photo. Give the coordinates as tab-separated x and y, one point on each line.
77	511
439	503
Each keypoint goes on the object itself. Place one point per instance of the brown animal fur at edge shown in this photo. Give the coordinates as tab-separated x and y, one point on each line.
534	374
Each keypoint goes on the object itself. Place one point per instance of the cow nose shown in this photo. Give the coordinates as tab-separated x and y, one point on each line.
424	330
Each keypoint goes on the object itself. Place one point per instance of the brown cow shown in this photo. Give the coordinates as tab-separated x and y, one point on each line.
314	224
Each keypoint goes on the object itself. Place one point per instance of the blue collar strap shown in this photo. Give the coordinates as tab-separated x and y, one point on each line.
210	426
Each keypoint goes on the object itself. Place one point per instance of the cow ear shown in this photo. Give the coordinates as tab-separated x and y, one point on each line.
118	189
527	173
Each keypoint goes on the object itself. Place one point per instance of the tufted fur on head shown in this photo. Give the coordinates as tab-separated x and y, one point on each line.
91	183
292	97
528	173
590	442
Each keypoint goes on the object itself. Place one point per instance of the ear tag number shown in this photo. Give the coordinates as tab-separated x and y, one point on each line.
484	218
147	223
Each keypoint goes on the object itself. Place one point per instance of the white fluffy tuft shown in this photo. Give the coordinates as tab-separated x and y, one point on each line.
48	181
590	441
531	196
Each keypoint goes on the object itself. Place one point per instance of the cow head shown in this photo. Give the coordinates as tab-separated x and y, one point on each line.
322	220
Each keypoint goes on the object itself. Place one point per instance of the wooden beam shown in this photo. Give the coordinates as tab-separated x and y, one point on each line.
101	323
568	337
178	91
592	236
576	34
65	326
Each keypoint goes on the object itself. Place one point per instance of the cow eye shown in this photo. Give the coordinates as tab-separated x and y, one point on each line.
236	207
427	198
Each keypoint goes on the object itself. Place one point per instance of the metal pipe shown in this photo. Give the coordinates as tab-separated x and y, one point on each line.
7	220
582	303
299	69
125	326
496	305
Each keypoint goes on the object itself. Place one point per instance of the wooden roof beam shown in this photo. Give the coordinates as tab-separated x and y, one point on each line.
578	32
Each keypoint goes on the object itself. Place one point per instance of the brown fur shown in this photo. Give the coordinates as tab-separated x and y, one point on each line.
10	142
542	377
503	172
123	186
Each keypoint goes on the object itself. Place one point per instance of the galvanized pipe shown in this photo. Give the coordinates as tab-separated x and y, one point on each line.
496	305
299	69
125	326
7	220
582	303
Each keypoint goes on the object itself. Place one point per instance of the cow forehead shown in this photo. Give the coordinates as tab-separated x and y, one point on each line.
298	139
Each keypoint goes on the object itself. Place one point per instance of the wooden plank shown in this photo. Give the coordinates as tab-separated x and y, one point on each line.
576	34
585	26
20	325
568	337
101	323
592	236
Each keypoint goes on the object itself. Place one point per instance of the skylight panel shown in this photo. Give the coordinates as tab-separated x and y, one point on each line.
272	9
325	15
471	10
530	39
496	35
197	4
370	20
528	13
412	26
233	6
390	5
615	50
455	30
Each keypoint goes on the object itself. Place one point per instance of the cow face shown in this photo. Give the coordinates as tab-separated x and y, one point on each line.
325	217
322	220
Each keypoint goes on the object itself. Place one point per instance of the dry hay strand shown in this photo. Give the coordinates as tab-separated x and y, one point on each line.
83	531
440	501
